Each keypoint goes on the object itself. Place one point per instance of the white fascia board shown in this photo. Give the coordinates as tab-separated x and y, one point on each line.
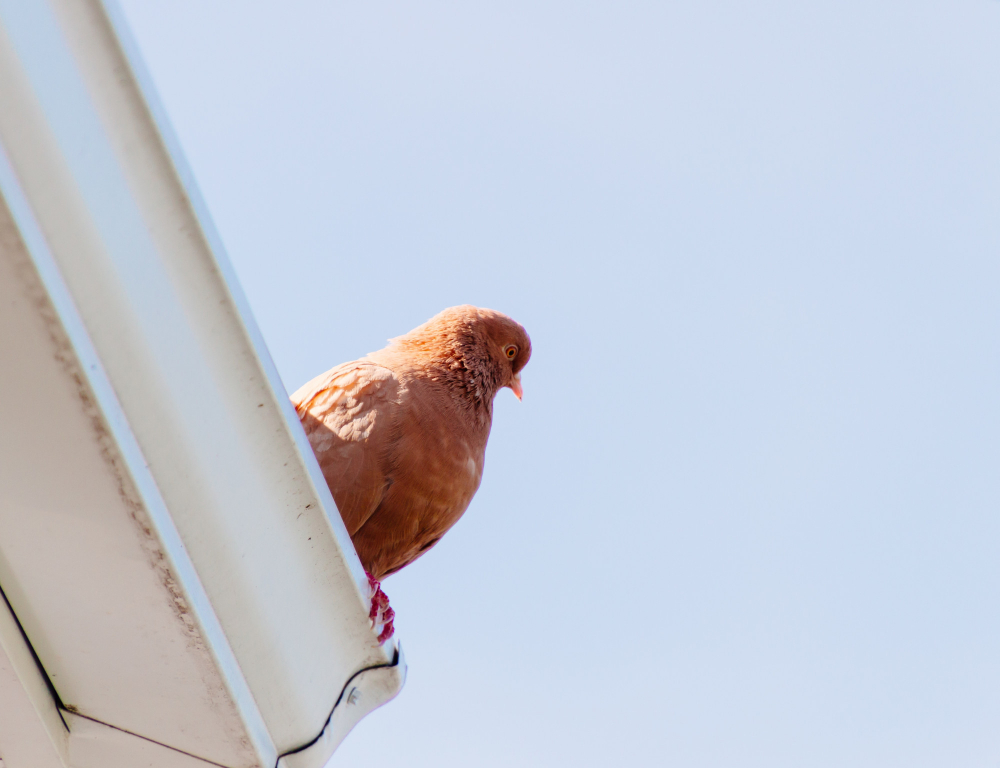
125	249
48	538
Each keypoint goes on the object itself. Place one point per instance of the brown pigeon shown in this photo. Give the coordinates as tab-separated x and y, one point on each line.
401	434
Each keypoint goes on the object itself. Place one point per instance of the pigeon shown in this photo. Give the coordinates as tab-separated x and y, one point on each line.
400	434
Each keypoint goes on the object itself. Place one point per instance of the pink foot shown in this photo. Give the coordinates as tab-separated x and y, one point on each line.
381	614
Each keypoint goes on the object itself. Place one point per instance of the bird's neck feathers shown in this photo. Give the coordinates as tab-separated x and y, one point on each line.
456	356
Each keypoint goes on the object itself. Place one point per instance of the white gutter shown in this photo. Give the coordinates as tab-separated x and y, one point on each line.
238	608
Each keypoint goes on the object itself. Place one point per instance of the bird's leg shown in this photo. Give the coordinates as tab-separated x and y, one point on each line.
381	614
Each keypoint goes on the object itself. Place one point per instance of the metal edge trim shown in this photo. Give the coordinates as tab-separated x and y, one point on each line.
104	395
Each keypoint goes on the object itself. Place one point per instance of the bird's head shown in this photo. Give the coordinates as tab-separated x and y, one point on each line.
509	348
490	346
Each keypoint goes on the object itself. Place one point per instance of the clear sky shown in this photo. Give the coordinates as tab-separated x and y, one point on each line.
748	513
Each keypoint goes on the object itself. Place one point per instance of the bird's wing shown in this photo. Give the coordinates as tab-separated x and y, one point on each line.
348	416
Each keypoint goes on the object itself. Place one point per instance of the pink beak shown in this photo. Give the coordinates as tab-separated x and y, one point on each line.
516	386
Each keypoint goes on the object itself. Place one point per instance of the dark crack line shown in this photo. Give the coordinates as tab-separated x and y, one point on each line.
395	661
38	662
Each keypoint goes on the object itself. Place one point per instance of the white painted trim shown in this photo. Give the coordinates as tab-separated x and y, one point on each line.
138	278
103	392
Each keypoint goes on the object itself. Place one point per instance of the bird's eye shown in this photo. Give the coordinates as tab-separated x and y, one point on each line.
511	351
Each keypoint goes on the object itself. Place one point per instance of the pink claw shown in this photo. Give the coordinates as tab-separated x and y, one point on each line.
380	613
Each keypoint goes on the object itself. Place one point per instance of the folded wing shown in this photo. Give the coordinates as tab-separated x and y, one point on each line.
348	416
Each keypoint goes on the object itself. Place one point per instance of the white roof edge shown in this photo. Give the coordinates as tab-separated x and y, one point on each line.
120	238
367	690
159	118
100	387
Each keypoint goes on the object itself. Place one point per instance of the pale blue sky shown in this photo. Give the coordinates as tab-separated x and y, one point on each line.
748	513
